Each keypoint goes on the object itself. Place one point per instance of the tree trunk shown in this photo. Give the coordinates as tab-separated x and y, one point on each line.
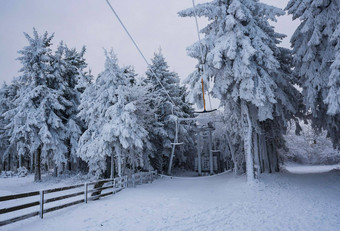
55	171
256	156
248	130
275	160
9	162
123	166
264	155
171	158
68	163
119	164
112	166
260	149
3	164
277	169
20	161
32	163
37	176
269	152
134	166
232	150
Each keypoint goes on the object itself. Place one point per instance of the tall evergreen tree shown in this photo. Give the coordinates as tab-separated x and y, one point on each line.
7	97
242	58
163	132
333	97
112	109
316	61
69	65
34	119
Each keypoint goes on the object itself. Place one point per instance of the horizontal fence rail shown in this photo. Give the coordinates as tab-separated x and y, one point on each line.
88	191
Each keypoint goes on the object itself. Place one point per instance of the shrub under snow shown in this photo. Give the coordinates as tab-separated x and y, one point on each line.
309	147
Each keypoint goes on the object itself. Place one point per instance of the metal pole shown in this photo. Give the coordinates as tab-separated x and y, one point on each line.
210	153
199	164
173	149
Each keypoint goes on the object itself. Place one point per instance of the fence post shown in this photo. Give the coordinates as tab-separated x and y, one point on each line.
141	178
119	182
114	185
86	189
126	181
41	212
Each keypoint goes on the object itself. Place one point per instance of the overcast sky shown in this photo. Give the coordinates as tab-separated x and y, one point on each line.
153	24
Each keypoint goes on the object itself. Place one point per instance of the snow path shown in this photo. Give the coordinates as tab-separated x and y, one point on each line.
279	202
305	169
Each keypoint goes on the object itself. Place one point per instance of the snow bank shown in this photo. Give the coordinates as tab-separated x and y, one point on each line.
307	169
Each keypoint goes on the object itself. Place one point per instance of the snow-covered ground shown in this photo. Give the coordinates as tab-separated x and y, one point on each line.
306	169
283	201
13	185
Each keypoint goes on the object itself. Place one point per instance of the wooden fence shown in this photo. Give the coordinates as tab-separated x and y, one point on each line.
80	193
141	178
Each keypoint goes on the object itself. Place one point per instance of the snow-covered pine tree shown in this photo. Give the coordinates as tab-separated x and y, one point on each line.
316	61
242	58
7	96
34	122
333	97
113	111
163	132
4	139
68	65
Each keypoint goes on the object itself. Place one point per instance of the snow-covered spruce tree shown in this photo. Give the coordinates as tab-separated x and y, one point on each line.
316	53
113	109
163	131
333	97
69	65
34	120
4	140
242	57
7	96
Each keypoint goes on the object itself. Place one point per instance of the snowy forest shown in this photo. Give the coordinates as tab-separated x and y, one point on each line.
275	104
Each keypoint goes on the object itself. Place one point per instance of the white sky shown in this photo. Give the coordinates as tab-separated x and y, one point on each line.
153	24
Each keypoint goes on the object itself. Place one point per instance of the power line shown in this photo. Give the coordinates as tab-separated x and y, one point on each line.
140	52
201	45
